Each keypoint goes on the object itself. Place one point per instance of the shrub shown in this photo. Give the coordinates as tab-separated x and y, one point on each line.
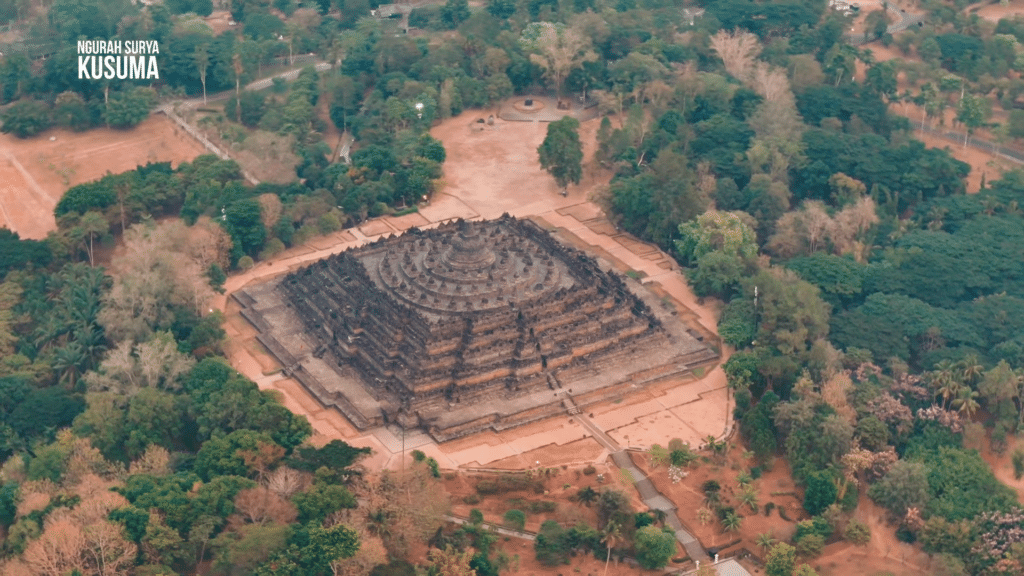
476	516
589	471
1018	463
472	499
810	546
642	519
245	263
542	506
768	508
820	493
857	533
654	547
550	545
273	247
328	223
515	519
682	457
509	483
435	469
418	455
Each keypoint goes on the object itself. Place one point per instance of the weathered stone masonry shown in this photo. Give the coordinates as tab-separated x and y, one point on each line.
469	325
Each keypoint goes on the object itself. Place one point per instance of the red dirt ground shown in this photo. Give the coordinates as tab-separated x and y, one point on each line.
882	554
995	12
559	487
35	172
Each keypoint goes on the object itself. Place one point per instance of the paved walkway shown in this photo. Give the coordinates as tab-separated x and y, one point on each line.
648	493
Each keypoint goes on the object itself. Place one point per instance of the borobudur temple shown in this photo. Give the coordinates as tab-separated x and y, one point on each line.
465	327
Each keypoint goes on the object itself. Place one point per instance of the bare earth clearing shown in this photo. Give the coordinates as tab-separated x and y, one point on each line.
996	11
35	173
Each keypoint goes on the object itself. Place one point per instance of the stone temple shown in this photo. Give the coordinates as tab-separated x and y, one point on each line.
467	327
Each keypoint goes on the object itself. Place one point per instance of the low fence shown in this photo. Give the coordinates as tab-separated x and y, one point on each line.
191	130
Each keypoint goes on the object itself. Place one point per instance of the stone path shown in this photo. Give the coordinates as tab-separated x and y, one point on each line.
648	493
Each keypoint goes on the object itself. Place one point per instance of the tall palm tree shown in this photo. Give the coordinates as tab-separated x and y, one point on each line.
943	381
732	522
967	401
610	537
765	541
587	496
68	362
749	497
971	368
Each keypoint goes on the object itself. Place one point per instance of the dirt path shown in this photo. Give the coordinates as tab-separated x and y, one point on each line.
492	170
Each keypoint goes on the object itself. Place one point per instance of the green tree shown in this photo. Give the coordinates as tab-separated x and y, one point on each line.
454	12
90	226
25	118
781	560
501	9
732	522
561	153
820	492
128	108
245	225
972	113
654	547
904	486
765	541
721	248
550	546
321	501
515	519
857	532
241	552
876	22
220	456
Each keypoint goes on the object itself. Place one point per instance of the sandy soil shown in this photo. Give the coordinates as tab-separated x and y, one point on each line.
867	7
492	170
1002	465
35	173
219	20
996	12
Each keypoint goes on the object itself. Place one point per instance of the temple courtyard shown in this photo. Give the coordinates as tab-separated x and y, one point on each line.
492	170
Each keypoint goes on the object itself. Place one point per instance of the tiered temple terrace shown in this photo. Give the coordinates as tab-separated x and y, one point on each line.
469	326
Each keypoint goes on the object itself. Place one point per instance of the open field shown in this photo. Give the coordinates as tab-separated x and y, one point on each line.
492	170
35	172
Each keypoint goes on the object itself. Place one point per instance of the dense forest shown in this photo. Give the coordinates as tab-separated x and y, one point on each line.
873	305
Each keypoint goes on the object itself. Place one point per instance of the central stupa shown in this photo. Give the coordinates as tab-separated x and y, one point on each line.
465	326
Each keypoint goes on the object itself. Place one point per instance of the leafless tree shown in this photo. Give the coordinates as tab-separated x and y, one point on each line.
162	265
155	461
738	49
261	505
557	49
286	481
